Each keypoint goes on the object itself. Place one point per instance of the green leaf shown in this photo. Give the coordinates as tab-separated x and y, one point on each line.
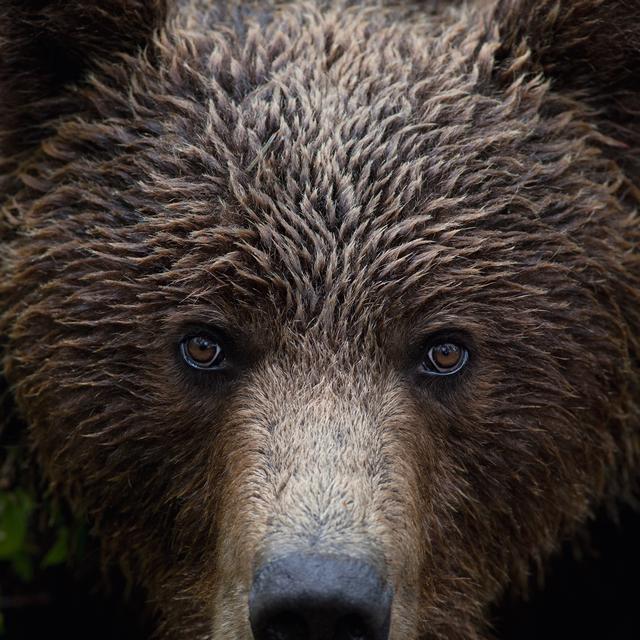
22	564
59	552
15	511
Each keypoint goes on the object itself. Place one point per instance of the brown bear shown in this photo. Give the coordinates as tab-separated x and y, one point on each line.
327	314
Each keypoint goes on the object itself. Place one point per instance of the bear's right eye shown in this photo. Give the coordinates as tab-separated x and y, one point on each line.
202	352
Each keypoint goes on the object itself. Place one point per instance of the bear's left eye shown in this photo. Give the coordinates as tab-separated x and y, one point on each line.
202	352
445	359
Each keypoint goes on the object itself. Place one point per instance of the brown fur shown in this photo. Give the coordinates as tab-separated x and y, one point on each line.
329	184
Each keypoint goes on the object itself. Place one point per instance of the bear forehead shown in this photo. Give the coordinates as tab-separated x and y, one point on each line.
336	152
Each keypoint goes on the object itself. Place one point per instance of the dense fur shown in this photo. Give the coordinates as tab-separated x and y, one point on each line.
328	184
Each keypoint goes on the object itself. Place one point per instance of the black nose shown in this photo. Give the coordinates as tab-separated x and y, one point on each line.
319	597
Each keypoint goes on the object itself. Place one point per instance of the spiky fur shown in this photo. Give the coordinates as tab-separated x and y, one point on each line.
328	184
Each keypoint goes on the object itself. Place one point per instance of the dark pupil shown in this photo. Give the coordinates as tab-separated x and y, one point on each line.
446	356
202	350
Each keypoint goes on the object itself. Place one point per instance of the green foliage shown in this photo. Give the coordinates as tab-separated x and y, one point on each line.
34	536
15	513
36	533
25	544
59	552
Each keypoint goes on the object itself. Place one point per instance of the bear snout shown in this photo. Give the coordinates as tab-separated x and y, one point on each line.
305	596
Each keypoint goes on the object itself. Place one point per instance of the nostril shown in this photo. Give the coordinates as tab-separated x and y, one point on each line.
292	627
352	628
319	597
285	626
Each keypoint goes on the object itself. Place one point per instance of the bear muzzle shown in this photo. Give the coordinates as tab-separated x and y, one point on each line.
306	596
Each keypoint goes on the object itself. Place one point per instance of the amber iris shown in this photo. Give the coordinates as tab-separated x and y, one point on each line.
202	352
446	358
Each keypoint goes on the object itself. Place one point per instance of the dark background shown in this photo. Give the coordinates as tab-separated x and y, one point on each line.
595	597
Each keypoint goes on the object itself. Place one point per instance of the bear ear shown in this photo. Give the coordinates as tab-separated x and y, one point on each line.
47	45
588	47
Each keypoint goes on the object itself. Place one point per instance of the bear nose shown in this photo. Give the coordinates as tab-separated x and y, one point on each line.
319	597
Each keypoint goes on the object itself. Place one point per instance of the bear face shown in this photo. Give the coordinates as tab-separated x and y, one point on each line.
334	279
